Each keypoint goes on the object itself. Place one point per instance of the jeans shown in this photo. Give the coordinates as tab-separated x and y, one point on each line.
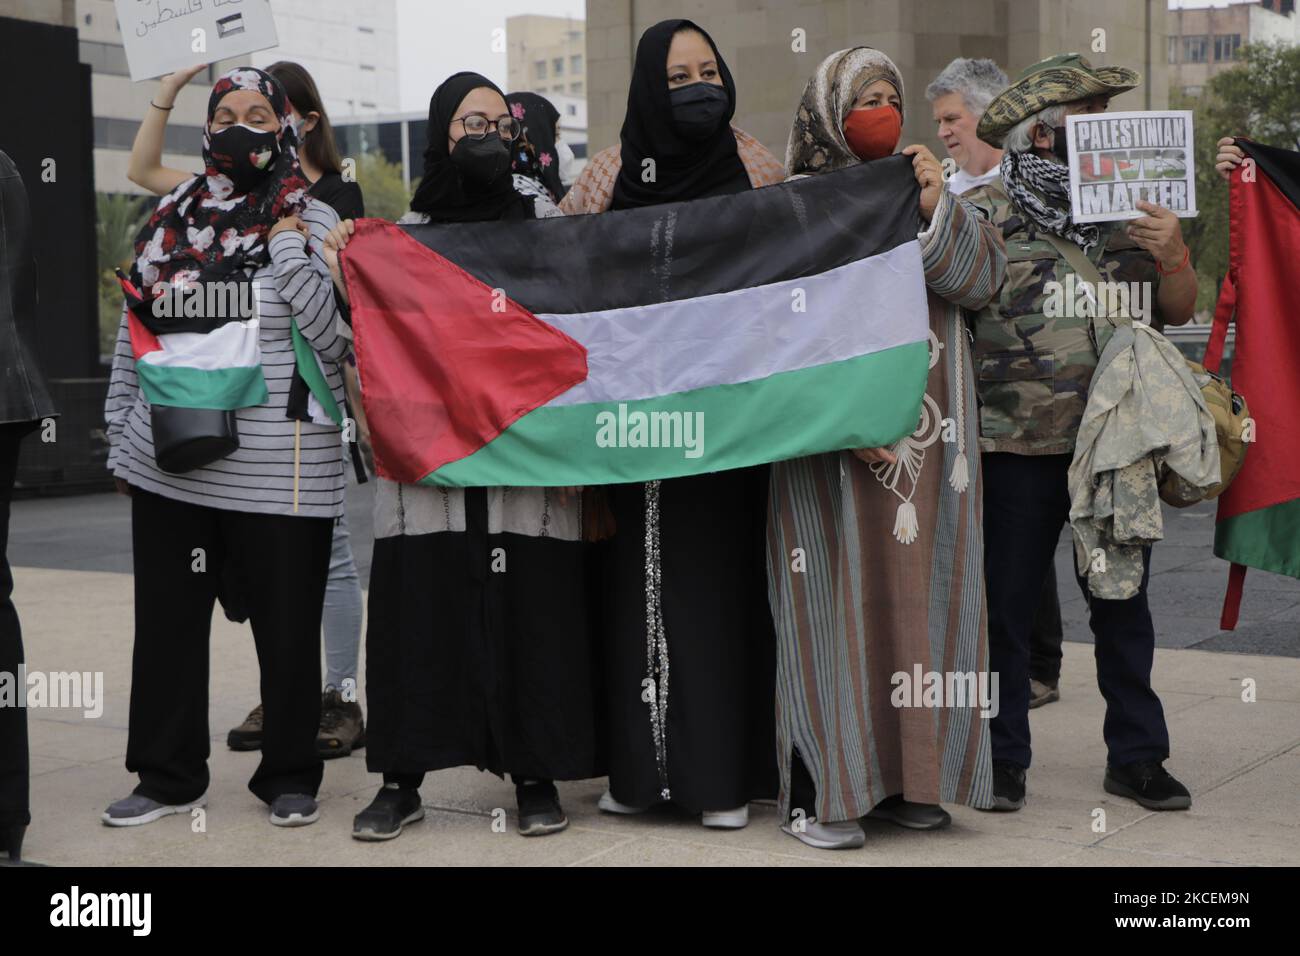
342	616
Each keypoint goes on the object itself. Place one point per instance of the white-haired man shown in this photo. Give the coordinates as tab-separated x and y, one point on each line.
958	96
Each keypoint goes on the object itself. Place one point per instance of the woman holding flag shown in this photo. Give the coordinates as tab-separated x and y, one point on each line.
224	427
687	551
894	577
478	651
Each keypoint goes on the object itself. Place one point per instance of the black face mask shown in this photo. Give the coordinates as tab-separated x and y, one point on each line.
482	161
243	154
1060	145
698	109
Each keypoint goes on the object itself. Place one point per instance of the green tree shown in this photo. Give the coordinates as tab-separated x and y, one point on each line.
118	219
1258	99
386	196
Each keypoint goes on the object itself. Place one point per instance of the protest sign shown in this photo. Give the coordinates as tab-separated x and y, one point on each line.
1119	159
161	36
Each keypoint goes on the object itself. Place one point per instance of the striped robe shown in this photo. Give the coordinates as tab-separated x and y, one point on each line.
857	605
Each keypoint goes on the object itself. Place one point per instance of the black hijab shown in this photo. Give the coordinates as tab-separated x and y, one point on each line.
540	119
442	193
684	168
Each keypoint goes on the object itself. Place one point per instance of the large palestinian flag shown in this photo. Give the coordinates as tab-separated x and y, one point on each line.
1259	514
651	343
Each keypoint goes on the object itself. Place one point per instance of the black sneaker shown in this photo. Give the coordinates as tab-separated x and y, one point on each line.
540	812
1008	786
294	810
1149	783
392	808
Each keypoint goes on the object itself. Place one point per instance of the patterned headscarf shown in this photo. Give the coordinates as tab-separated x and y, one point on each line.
817	143
204	221
540	119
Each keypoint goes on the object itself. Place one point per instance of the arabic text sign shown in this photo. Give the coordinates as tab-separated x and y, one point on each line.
165	35
1119	159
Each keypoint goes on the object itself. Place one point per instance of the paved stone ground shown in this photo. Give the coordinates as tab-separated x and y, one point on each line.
1241	760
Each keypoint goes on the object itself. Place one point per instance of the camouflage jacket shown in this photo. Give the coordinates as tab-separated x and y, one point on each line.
1033	370
1145	415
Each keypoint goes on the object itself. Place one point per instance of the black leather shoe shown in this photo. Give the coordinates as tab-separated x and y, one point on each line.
392	808
914	816
1149	783
540	812
11	841
1008	786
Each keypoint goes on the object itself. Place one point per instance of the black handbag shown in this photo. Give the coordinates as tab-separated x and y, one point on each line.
189	438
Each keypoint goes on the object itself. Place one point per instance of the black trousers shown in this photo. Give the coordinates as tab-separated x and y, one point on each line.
1026	502
14	768
1046	635
280	564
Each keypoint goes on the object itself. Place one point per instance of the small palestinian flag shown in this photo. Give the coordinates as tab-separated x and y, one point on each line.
650	343
205	352
1259	514
196	360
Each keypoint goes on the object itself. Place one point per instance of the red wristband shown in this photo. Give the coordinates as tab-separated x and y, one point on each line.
1187	255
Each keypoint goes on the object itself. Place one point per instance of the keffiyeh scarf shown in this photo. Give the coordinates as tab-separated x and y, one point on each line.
1041	188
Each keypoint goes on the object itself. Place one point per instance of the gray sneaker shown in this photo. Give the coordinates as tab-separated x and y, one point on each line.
137	810
842	835
294	810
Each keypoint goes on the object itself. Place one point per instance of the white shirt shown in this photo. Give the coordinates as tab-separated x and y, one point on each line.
962	182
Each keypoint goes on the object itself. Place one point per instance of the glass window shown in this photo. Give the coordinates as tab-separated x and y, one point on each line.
1173	49
107	58
558	65
575	64
113	133
539	70
1225	46
575	88
1195	49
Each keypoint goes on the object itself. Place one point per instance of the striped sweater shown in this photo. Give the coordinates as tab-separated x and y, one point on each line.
259	475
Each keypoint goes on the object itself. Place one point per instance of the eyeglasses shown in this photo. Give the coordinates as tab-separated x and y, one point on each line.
476	126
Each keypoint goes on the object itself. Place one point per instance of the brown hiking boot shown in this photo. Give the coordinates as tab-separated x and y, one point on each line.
341	728
248	735
1041	692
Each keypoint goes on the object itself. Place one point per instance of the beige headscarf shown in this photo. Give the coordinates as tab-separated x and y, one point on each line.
817	143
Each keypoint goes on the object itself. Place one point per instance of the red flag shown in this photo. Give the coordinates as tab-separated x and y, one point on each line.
1259	514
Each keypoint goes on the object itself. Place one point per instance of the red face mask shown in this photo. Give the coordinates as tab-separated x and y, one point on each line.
872	134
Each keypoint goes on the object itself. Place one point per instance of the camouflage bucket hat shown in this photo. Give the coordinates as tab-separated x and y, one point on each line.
1063	78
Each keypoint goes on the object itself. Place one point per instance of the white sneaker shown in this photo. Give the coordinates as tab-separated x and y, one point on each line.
608	804
726	819
844	835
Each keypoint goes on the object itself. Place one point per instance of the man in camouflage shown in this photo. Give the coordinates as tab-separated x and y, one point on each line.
1035	355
